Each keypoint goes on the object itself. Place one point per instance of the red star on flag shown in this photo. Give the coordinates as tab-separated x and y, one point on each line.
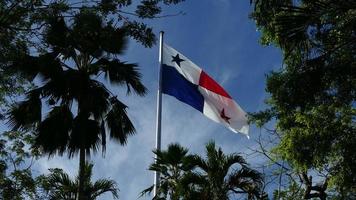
224	117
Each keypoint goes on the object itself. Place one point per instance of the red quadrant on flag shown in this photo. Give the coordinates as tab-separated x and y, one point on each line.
208	83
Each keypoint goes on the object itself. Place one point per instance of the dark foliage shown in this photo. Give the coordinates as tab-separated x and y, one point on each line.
58	185
214	177
63	48
313	95
66	87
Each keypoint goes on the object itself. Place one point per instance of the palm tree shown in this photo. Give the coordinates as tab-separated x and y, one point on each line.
172	164
219	176
58	185
82	110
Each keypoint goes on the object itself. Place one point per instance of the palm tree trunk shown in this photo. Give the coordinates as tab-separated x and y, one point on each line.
81	195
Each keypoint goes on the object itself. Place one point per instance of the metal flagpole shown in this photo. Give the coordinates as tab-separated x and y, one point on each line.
159	110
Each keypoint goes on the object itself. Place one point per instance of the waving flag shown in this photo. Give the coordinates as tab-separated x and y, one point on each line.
188	83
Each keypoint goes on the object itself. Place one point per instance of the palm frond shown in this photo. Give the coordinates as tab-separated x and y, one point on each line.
214	179
174	155
147	191
26	113
247	180
210	149
118	122
200	162
55	89
188	162
27	66
57	34
172	164
76	83
59	185
84	135
194	178
87	173
46	65
103	136
66	85
53	132
49	67
95	99
215	158
234	159
113	40
58	178
102	186
118	72
86	30
161	193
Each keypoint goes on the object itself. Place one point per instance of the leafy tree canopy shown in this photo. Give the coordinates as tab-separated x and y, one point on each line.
16	159
313	96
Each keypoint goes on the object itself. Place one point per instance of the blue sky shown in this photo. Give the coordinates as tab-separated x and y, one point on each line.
219	37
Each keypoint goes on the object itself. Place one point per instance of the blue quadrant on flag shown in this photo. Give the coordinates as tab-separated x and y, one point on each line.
174	84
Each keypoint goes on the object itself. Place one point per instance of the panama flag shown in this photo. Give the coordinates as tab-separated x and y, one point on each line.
188	83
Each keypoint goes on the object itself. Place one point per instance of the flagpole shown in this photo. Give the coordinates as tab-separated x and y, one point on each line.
159	111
